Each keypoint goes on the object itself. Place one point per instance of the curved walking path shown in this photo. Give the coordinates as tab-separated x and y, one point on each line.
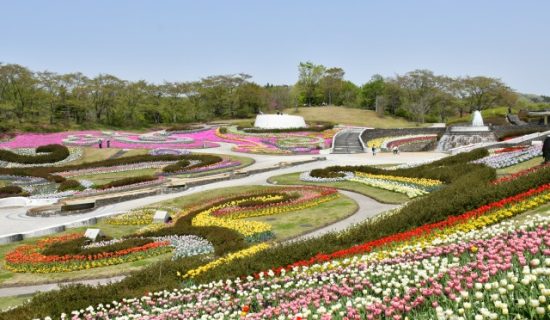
368	208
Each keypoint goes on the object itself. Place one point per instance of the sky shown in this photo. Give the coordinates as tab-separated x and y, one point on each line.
161	40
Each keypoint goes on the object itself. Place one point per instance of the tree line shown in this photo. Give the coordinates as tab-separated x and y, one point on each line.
32	100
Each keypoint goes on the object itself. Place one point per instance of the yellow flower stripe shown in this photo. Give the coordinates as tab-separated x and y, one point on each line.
376	142
419	181
250	228
250	251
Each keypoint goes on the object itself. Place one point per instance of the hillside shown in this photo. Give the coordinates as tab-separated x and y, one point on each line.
350	116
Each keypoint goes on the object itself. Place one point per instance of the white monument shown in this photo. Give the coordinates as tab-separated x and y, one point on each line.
161	216
279	121
93	234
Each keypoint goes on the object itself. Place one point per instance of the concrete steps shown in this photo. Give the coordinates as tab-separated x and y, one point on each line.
348	141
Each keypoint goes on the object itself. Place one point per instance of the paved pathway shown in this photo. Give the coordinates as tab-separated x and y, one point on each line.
24	290
368	208
14	220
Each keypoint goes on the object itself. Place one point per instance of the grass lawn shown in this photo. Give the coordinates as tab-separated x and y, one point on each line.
350	116
94	154
135	152
520	166
6	302
379	195
292	224
108	177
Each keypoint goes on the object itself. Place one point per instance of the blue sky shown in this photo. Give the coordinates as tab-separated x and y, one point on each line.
186	40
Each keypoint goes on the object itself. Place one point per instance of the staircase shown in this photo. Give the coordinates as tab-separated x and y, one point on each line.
348	141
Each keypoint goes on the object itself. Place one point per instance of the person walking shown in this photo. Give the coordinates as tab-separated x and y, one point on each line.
100	142
108	143
395	150
373	150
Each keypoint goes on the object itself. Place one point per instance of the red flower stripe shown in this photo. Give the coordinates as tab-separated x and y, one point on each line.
516	175
423	230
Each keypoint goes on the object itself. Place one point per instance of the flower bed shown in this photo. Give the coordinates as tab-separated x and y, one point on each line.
387	143
507	159
141	216
29	258
115	169
481	277
229	214
521	173
412	187
135	217
343	176
164	151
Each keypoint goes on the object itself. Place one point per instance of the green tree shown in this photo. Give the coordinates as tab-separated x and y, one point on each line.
309	76
331	84
483	93
371	90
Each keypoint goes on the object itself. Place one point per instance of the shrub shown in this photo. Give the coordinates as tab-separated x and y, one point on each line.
183	127
70	185
126	182
53	153
178	166
74	247
319	126
12	191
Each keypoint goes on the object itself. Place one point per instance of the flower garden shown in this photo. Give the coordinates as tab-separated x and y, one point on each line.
270	143
482	253
403	143
470	245
197	228
55	171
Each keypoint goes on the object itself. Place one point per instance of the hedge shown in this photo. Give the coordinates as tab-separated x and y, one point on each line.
49	172
53	153
314	127
12	191
74	247
70	185
126	181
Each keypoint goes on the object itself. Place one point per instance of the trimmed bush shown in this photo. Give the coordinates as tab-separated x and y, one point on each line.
70	185
178	166
12	191
184	127
126	182
50	153
74	247
78	206
312	127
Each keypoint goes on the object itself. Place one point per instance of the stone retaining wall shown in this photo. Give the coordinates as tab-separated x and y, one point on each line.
379	133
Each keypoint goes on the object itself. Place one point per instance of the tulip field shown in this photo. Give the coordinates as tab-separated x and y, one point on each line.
482	264
467	244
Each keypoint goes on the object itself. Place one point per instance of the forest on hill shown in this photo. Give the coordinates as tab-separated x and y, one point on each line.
43	100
